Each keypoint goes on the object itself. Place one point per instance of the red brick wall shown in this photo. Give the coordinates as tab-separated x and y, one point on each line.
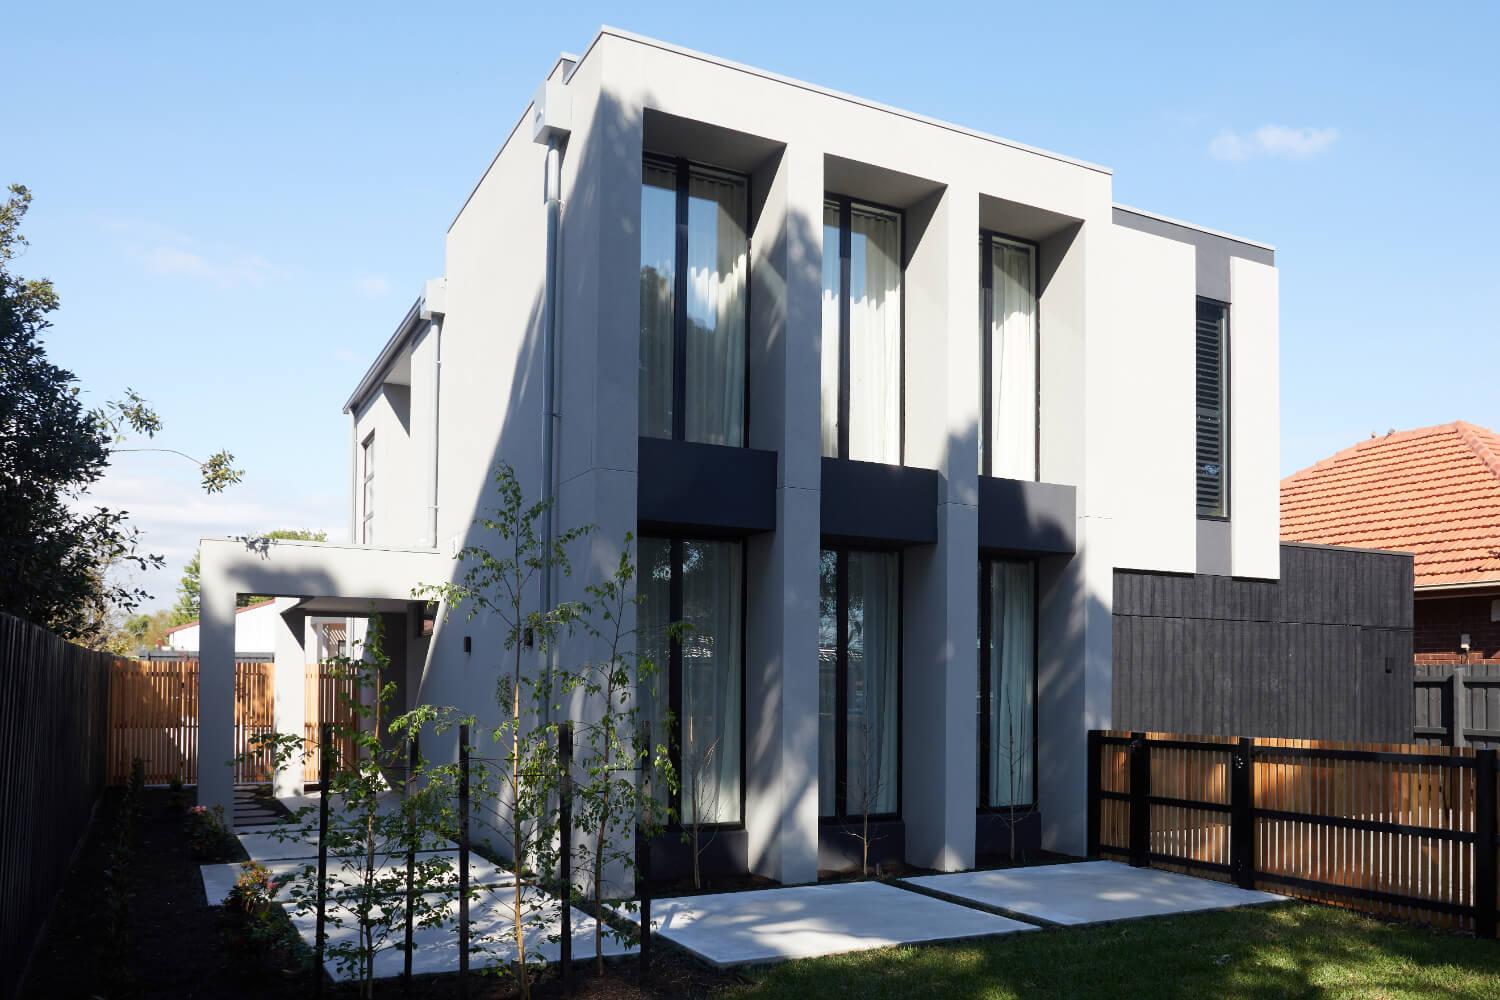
1440	624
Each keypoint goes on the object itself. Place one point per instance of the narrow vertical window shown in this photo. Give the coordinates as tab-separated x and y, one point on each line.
367	491
859	684
1007	683
862	332
1211	456
693	697
1008	369
694	274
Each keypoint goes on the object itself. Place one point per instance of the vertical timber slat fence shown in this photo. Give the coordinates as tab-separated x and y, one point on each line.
1401	831
54	716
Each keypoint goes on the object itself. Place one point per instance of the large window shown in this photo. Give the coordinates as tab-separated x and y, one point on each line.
696	694
1211	462
859	684
367	479
1008	365
694	266
861	364
1007	683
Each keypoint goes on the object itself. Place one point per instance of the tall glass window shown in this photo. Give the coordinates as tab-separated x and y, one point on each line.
695	695
861	353
694	270
1007	683
1008	446
367	508
859	684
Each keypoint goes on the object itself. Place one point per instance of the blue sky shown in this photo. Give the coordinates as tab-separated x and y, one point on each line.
237	203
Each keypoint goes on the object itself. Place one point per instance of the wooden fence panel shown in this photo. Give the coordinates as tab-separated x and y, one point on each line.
1457	704
1398	830
54	713
329	694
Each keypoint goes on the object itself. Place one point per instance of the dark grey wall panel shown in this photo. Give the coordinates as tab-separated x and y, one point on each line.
1020	516
1323	653
710	489
869	503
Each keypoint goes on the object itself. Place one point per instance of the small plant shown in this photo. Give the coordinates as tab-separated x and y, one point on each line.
208	834
256	924
176	793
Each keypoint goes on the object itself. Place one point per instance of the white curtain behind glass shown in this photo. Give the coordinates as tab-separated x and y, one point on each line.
828	680
875	336
653	615
874	607
658	280
1012	685
717	261
1013	399
832	289
711	662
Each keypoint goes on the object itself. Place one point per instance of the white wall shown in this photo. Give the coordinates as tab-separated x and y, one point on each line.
1254	420
254	632
1151	401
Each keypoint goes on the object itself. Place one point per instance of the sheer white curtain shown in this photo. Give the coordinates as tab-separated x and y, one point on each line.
653	616
874	607
658	281
832	290
1012	682
710	735
717	264
828	682
875	336
1013	377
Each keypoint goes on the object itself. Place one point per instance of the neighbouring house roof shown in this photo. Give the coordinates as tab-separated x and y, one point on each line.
1434	492
238	611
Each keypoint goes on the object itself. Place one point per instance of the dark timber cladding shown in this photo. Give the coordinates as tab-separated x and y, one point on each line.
1323	653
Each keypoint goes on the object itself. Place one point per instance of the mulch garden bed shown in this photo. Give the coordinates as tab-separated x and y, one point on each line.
173	944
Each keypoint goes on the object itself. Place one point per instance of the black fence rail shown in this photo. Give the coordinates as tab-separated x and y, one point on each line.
1399	830
54	737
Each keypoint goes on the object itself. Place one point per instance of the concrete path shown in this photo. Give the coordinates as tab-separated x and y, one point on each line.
219	879
1089	892
771	925
436	948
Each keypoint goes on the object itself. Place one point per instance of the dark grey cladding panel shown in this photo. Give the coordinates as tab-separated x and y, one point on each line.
706	488
1020	516
876	504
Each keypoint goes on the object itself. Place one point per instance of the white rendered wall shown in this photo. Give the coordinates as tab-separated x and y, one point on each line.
254	632
1152	401
1254	420
398	474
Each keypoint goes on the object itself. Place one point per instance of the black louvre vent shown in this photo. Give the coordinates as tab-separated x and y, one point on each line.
1210	468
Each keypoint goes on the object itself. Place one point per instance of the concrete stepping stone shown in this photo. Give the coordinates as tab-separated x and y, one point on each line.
219	879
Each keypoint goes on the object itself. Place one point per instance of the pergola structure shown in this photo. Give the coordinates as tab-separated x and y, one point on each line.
308	578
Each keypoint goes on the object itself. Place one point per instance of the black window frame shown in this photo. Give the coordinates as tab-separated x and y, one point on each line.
986	654
1223	511
987	238
682	168
675	542
841	814
846	205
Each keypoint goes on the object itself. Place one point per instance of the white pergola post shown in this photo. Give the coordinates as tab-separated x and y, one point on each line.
216	695
291	688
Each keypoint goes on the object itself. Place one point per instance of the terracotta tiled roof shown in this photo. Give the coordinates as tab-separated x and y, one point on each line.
1434	492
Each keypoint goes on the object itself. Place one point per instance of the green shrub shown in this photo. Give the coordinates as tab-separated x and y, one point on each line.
208	834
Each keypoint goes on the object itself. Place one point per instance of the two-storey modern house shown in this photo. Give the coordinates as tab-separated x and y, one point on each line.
886	401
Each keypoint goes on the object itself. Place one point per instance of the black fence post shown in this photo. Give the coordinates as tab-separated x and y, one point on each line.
1094	804
1484	843
1242	814
325	772
1140	805
411	855
565	804
643	865
463	860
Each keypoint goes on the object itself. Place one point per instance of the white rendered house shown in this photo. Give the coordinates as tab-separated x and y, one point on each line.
887	402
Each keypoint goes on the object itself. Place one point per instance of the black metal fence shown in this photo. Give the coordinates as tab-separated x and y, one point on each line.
1406	832
1457	704
54	738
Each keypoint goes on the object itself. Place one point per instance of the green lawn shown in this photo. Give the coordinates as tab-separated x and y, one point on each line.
1291	950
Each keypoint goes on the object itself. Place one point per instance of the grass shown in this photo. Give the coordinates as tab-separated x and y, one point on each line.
1290	950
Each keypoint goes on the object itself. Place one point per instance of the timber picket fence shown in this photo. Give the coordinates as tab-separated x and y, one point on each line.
1397	830
1457	704
54	710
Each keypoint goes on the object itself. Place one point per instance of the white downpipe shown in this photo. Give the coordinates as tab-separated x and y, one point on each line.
549	354
435	331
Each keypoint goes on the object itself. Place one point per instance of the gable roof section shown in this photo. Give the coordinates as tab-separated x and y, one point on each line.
238	611
1434	492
